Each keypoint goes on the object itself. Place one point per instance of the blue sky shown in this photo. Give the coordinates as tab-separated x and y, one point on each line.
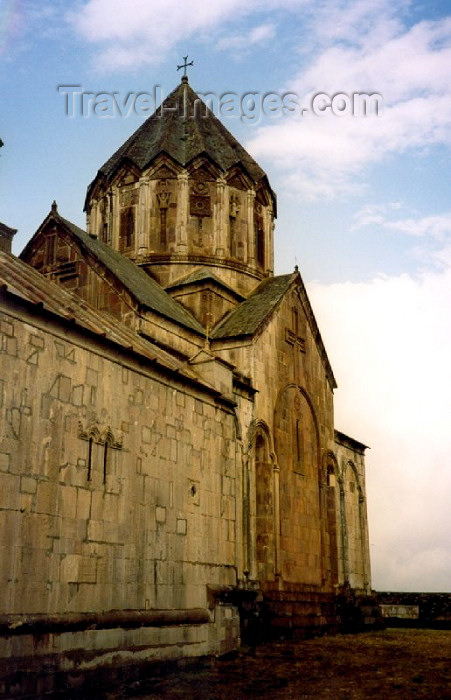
364	205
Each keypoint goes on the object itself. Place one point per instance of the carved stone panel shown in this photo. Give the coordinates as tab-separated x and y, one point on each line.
200	203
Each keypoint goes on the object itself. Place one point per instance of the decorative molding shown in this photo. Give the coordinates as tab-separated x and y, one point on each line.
99	436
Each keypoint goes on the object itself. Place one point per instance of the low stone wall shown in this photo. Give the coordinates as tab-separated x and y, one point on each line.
416	609
54	655
301	613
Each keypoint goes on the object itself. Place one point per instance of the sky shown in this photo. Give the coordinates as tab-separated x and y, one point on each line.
364	203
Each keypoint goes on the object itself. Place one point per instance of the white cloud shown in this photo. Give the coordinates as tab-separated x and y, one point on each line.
355	22
389	341
138	32
367	43
244	42
436	226
329	155
414	61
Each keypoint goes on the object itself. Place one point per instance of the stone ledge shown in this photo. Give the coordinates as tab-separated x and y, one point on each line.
45	624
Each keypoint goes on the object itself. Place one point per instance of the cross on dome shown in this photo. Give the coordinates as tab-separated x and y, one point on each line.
185	65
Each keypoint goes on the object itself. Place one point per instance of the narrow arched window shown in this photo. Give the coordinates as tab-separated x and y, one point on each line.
130	228
330	475
260	247
163	228
106	460
127	228
295	321
90	444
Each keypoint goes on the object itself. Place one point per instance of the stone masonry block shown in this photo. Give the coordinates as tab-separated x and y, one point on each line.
67	501
28	484
97	505
173	450
87	570
37	341
111	512
77	395
112	532
83	504
5	460
69	568
7	328
73	529
10	522
160	514
95	531
10	496
146	434
171	431
91	376
181	526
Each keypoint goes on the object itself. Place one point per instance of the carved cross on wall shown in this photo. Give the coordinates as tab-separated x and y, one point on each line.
293	338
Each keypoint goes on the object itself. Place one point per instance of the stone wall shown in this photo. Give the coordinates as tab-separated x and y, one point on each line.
286	434
354	557
416	609
118	488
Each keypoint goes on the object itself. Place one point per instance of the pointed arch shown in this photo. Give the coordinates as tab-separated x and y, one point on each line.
297	446
238	177
203	167
354	523
264	553
162	167
304	396
330	479
125	173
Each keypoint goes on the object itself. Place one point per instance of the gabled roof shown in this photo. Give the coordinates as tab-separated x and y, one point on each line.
249	316
183	138
146	291
246	318
201	275
24	282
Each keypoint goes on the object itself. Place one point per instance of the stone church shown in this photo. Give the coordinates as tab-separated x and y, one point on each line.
171	480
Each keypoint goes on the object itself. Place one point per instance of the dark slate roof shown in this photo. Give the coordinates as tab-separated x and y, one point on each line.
352	443
7	230
24	282
198	275
166	131
247	318
143	288
202	275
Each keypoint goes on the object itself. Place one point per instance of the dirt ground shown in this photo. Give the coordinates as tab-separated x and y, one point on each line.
393	664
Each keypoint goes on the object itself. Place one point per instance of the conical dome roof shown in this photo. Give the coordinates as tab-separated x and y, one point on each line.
183	127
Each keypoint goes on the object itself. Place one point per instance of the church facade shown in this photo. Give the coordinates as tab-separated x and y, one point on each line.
171	476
